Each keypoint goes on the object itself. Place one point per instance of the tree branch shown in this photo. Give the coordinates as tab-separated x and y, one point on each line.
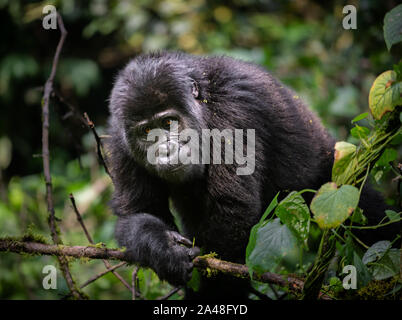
201	262
239	270
38	248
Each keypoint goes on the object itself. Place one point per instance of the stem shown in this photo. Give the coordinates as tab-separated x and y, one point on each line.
75	291
314	279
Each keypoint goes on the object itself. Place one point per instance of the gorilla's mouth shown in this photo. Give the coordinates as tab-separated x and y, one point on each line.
178	167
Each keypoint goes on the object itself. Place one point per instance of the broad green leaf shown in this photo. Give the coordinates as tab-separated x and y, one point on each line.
344	153
392	215
332	206
387	266
274	242
393	26
387	156
385	94
195	281
363	274
253	233
294	212
359	132
351	256
376	251
360	117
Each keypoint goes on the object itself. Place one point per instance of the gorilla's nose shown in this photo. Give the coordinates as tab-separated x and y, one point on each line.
168	149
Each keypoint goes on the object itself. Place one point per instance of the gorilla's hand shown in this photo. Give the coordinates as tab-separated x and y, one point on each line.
176	265
150	243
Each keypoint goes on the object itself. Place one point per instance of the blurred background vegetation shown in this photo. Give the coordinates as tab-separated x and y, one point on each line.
301	42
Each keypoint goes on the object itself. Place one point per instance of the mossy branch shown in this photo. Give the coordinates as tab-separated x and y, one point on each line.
92	252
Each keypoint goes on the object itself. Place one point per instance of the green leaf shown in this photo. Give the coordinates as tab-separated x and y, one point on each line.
351	257
335	284
387	156
195	281
387	266
271	207
363	274
295	214
253	233
392	215
274	243
344	153
393	26
398	69
385	94
332	206
376	251
360	117
359	217
360	132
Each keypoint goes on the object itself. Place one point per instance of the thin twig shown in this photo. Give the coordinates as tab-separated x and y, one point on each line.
73	109
88	123
168	295
46	162
101	274
79	218
134	282
90	240
99	145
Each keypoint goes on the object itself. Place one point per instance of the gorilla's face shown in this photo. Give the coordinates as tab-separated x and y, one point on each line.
158	144
152	109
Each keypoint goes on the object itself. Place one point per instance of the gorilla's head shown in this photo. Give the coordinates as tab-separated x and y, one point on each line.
152	102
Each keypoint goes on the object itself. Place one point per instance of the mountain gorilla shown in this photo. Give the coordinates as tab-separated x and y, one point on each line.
217	207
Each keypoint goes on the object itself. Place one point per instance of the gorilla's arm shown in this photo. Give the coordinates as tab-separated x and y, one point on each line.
145	226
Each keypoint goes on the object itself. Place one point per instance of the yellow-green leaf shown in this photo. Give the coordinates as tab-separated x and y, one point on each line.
344	152
393	26
385	94
332	206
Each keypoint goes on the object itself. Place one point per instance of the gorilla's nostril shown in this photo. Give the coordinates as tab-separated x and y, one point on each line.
163	150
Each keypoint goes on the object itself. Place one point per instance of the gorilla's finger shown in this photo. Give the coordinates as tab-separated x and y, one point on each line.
178	238
193	252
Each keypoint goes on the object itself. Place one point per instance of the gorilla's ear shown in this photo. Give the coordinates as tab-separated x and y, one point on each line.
194	89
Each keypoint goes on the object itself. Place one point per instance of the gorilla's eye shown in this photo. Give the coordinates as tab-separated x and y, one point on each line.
166	123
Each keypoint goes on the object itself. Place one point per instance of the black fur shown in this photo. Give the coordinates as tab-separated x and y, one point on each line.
218	209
